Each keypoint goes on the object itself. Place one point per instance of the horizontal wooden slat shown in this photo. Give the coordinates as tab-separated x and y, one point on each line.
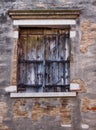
41	61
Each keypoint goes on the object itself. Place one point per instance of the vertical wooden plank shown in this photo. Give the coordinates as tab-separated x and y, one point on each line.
67	56
35	65
21	56
39	56
44	63
26	75
57	48
69	43
39	47
47	47
62	58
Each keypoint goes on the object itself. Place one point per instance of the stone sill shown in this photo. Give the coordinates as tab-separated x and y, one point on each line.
41	95
74	87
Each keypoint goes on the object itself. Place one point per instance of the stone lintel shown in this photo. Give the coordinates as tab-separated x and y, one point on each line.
44	22
44	14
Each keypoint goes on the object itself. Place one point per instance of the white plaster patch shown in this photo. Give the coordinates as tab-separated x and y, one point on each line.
69	125
72	34
43	22
16	34
85	126
11	89
74	86
40	4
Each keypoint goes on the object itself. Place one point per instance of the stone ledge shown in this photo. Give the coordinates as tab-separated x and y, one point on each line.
11	89
73	87
44	14
41	95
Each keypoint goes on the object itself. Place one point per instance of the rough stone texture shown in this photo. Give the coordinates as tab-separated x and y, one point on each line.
14	66
88	105
3	127
19	109
88	110
39	111
49	114
88	30
3	111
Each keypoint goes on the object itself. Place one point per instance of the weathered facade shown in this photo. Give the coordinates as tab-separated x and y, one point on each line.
64	113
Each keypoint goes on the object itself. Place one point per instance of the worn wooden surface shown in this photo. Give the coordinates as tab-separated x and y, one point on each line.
43	59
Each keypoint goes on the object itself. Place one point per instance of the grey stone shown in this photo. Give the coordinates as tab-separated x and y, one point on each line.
3	18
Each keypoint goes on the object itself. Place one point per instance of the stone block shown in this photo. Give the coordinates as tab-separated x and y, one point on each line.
3	110
3	18
19	109
3	127
88	37
63	111
88	105
14	66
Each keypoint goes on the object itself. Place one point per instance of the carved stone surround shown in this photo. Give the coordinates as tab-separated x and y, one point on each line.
30	17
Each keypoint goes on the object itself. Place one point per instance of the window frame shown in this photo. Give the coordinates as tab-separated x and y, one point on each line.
46	18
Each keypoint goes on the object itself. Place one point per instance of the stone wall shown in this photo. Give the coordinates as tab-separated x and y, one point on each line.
51	113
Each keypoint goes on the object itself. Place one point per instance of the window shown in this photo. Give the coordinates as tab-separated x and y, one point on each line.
43	60
42	68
